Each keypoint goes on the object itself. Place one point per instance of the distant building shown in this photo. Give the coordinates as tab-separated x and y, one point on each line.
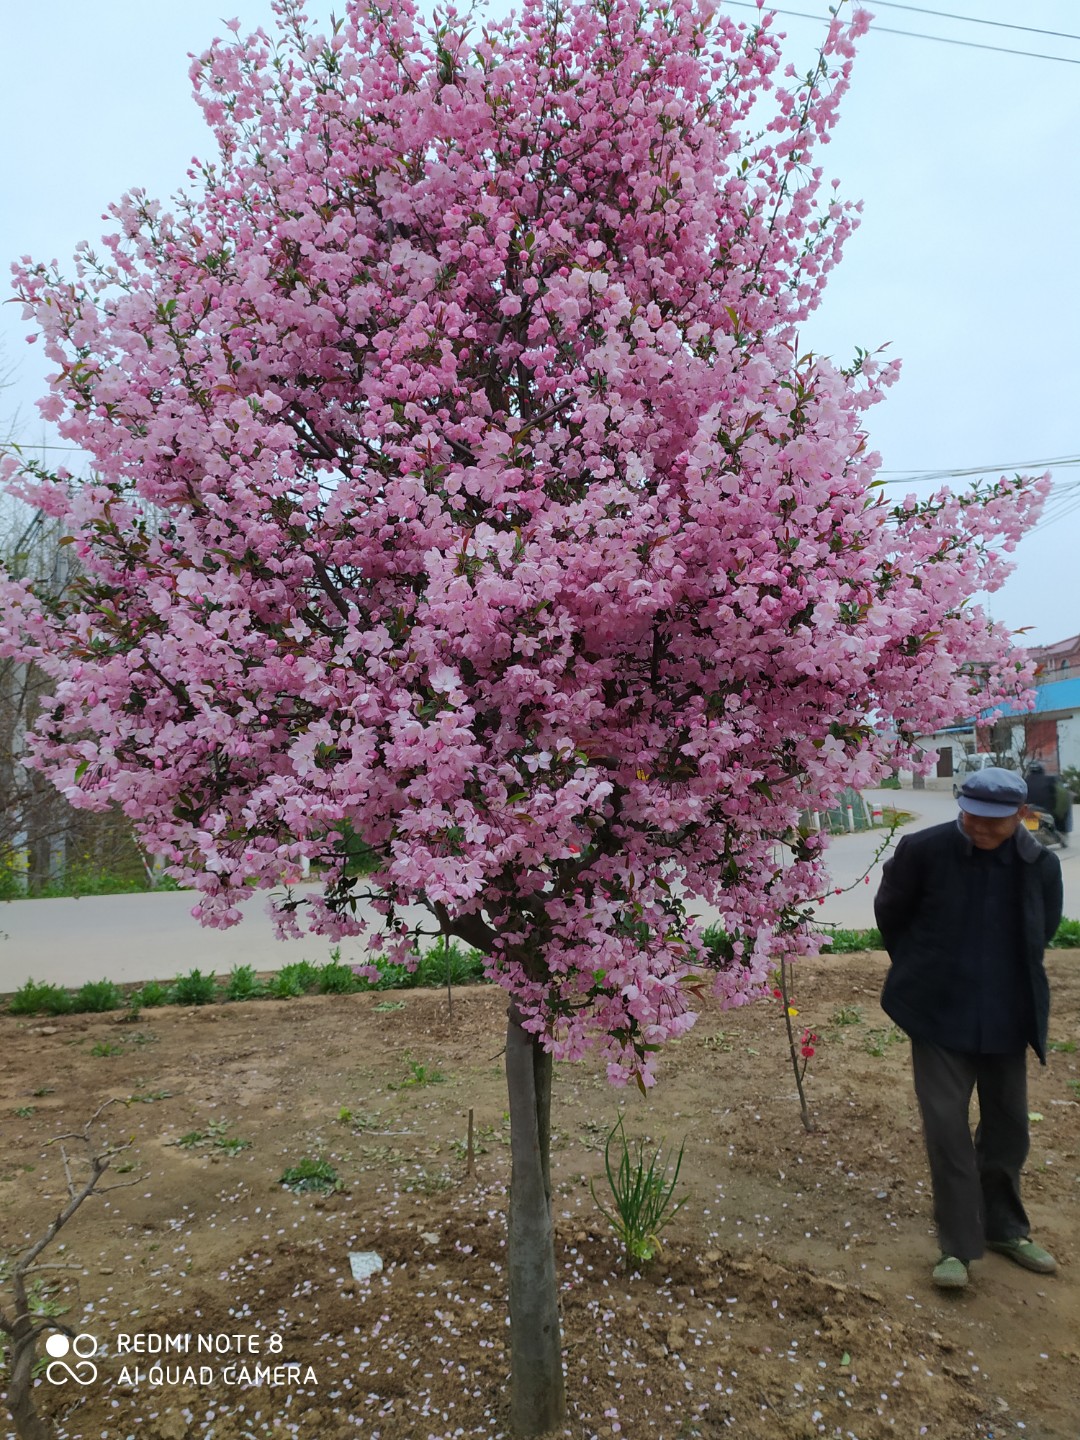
1060	661
1050	733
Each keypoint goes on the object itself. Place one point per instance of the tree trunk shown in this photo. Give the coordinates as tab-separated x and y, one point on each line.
537	1391
22	1352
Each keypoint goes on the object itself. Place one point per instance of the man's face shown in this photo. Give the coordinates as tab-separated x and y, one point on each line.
987	832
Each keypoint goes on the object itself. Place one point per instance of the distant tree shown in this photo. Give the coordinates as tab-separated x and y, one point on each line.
509	532
43	839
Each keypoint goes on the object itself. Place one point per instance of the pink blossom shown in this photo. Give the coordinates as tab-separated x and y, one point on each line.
493	518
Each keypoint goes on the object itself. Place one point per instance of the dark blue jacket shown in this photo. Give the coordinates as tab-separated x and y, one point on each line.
921	913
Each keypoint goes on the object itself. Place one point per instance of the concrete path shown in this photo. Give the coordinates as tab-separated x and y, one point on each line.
134	938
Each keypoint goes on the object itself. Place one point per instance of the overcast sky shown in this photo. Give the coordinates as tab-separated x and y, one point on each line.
965	264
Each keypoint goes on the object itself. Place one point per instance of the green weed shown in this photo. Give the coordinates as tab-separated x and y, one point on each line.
357	1120
719	1042
1063	1047
97	995
150	996
1067	936
848	1015
311	1175
852	942
242	984
194	988
24	1112
106	1047
36	998
214	1135
419	1074
336	978
641	1195
877	1042
428	1182
42	1301
299	978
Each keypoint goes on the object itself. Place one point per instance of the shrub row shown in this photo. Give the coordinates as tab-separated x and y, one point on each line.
434	968
846	942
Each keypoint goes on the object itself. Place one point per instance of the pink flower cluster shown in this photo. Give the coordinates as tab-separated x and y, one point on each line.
460	488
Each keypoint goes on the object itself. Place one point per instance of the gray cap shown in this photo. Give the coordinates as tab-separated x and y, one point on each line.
994	792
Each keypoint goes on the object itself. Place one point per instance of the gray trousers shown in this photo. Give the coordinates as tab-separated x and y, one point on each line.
976	1183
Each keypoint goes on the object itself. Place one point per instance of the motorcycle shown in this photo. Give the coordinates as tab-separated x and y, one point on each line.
1042	826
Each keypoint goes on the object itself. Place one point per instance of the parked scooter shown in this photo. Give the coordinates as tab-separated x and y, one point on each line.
1042	826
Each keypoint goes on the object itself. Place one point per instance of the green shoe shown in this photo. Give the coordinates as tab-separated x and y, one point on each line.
950	1273
1026	1253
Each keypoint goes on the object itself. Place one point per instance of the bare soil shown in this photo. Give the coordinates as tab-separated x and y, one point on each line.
792	1298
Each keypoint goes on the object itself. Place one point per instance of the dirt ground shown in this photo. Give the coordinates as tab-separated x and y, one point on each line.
792	1298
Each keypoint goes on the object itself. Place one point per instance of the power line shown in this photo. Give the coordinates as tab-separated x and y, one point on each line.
912	34
927	477
973	19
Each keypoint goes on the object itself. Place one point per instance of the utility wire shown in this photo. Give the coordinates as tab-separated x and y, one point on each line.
972	19
929	477
912	34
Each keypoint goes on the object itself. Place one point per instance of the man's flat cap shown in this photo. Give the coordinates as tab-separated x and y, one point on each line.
994	791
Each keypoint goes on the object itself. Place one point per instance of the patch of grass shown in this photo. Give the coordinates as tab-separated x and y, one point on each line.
242	984
97	995
44	1090
428	1182
148	1097
449	964
892	816
1067	936
852	942
194	988
106	1048
1074	1086
357	1120
24	1112
309	1175
150	996
1063	1047
36	998
385	1007
299	978
43	1301
336	978
215	1135
434	968
232	1144
419	1074
719	1042
877	1042
848	1015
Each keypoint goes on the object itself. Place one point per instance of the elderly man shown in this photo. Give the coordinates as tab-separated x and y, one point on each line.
966	910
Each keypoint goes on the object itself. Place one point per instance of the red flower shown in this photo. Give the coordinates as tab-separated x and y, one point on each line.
807	1051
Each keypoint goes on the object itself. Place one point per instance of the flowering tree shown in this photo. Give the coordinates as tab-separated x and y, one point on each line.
462	497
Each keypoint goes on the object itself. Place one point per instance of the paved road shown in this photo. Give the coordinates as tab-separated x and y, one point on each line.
153	937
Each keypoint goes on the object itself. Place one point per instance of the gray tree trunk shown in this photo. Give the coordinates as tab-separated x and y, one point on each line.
537	1388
